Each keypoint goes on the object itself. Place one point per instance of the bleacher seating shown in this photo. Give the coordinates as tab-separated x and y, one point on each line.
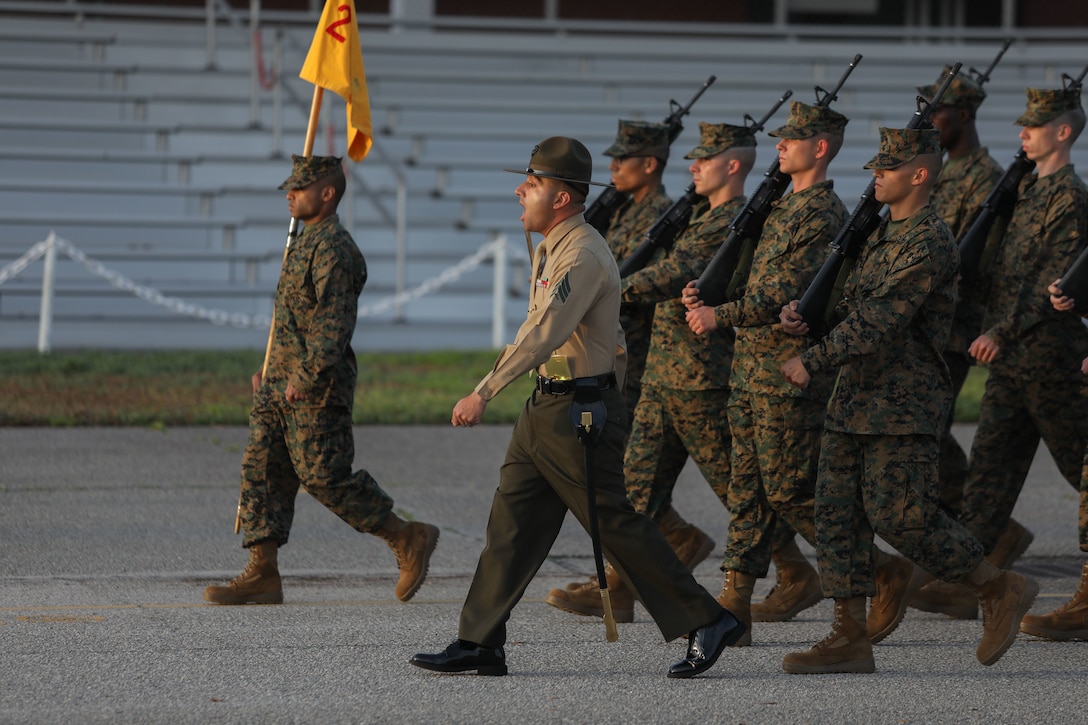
118	136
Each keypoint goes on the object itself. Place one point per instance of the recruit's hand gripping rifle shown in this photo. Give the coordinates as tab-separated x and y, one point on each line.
599	214
729	267
818	302
1074	283
675	219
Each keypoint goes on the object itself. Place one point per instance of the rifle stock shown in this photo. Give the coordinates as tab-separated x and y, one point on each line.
729	268
817	304
663	233
600	212
1075	281
984	225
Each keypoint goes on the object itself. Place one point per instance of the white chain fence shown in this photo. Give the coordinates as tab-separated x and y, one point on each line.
492	249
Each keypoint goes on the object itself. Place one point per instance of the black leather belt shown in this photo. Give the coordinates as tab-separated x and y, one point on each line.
551	386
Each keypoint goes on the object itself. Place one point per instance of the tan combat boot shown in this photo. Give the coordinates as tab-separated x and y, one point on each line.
691	544
846	649
259	582
897	580
736	596
1067	622
585	598
412	545
1013	542
1005	597
957	600
796	587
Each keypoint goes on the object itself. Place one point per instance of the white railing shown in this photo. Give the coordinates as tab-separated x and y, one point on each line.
47	249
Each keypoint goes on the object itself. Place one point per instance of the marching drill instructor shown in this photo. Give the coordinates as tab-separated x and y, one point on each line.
571	335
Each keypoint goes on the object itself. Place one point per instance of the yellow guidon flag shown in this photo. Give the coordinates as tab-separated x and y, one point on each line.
335	61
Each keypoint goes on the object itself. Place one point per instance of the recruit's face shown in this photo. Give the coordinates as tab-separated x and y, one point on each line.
306	203
710	174
796	154
1040	142
893	185
630	173
950	121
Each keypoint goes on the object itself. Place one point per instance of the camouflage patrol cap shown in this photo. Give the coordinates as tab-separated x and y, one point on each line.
806	121
900	145
562	158
962	92
717	137
1045	105
308	169
640	138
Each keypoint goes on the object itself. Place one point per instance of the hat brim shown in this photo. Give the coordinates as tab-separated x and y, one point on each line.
557	177
794	132
885	162
1035	118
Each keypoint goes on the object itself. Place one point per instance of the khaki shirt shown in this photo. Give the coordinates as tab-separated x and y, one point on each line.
574	308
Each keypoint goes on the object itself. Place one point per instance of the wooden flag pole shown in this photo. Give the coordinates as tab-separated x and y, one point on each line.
292	232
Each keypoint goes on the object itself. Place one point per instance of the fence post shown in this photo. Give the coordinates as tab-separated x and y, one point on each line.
401	233
209	34
45	317
254	64
498	294
277	96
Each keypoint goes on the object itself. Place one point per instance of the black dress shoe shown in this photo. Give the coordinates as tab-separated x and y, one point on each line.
707	643
462	656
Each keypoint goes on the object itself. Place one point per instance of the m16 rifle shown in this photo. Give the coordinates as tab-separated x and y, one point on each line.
1074	283
675	219
988	224
600	212
729	267
818	303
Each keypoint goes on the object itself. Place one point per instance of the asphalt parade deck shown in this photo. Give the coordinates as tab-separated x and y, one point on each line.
108	537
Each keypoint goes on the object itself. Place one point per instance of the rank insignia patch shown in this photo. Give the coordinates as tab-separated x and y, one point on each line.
562	290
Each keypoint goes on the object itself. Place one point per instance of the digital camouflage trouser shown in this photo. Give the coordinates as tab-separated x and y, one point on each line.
312	447
885	485
776	448
1017	412
1082	519
669	426
953	459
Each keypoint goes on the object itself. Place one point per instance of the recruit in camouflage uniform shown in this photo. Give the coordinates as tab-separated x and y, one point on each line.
878	460
965	180
637	142
686	383
637	139
1035	388
968	175
300	428
775	426
1070	620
